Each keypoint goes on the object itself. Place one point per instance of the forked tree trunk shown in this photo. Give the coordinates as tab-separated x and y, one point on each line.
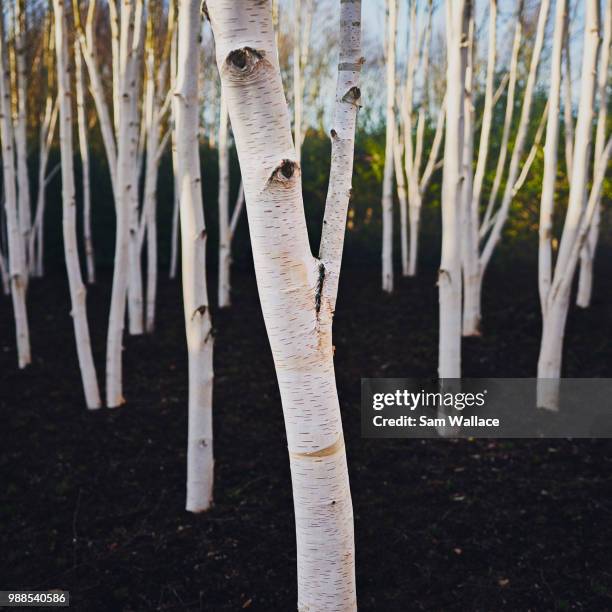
16	247
387	193
576	224
449	275
292	281
198	326
84	151
78	293
587	255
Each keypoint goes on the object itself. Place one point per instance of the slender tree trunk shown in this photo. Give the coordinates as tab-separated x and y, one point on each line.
472	285
198	324
224	221
558	295
402	197
126	162
175	208
16	248
550	160
149	208
449	275
78	293
21	145
469	213
587	255
135	284
47	131
290	279
84	150
387	194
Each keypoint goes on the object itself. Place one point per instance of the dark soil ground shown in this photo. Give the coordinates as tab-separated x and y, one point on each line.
93	502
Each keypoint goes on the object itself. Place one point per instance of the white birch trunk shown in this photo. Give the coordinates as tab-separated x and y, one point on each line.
133	64
198	326
175	209
387	193
557	299
472	285
127	148
449	275
21	145
78	293
550	160
16	248
519	142
402	197
291	280
47	131
84	151
224	220
587	255
469	212
149	207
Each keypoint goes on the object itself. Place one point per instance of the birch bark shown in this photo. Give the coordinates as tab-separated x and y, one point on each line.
449	275
84	151
587	255
16	248
21	144
291	280
576	224
387	193
78	293
198	326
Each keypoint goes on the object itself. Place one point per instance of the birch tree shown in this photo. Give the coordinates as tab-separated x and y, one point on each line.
476	259
156	104
555	287
417	180
449	274
198	326
46	135
291	280
78	293
227	224
387	193
16	247
587	254
20	123
84	152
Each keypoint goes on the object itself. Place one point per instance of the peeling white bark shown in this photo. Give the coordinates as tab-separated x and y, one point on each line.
78	293
198	326
292	281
